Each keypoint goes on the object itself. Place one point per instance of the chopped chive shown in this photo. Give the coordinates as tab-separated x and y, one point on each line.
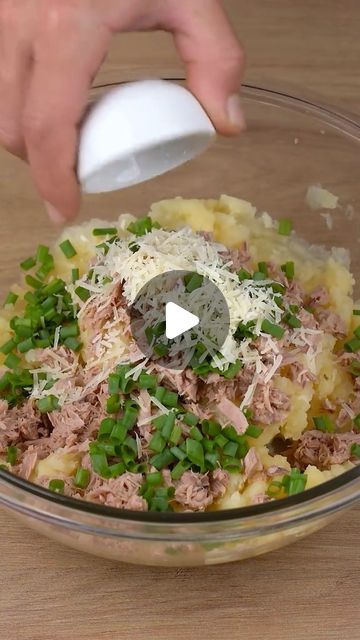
75	275
8	347
180	469
12	361
208	445
231	464
230	449
295	482
99	461
195	452
106	231
243	274
178	453
232	370
106	427
220	440
193	281
42	254
176	434
168	426
262	267
163	459
11	298
157	443
196	434
190	419
119	432
68	249
355	450
113	403
357	421
285	227
82	293
28	264
113	383
33	282
69	331
73	343
147	381
82	478
357	332
324	423
211	460
352	345
292	321
356	312
253	431
58	486
11	454
141	227
272	329
289	269
48	404
116	470
26	345
211	428
154	478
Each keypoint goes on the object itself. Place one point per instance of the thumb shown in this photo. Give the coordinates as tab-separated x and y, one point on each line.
213	58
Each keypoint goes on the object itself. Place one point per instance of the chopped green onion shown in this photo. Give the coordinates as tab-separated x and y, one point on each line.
69	331
357	332
289	269
178	453
244	330
324	423
180	469
211	428
196	434
11	298
278	288
176	434
42	254
208	445
220	441
292	321
113	403
168	425
119	432
231	464
73	343
11	454
58	486
75	275
195	452
157	443
355	450
130	416
12	361
163	459
141	227
357	421
190	419
82	478
161	350
116	470
356	312
211	460
352	345
285	227
193	281
106	231
272	329
262	267
26	345
167	398
253	431
68	250
230	449
106	427
295	482
8	347
28	264
147	381
48	404
243	274
232	370
154	478
259	275
33	282
82	293
99	461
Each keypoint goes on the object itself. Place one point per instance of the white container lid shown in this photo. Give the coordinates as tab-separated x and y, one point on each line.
138	131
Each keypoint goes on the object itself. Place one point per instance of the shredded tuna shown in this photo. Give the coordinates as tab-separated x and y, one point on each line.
252	464
19	424
197	491
238	257
27	464
307	319
269	405
74	423
299	374
219	480
294	293
214	388
185	383
348	411
323	449
233	414
320	296
119	492
331	323
101	309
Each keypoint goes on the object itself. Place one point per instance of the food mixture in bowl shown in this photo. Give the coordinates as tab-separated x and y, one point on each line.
274	411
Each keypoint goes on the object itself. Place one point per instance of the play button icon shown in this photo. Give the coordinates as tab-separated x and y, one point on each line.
178	320
178	317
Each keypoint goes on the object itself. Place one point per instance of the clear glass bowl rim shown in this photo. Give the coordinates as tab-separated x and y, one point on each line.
348	124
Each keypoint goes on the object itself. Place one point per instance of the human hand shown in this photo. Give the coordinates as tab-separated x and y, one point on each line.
52	49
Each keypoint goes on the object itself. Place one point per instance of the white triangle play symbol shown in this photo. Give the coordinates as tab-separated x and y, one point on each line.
178	320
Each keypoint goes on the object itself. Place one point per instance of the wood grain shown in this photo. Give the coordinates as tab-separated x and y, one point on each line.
309	589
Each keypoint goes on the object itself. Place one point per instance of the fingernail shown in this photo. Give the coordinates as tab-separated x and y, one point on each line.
235	112
55	216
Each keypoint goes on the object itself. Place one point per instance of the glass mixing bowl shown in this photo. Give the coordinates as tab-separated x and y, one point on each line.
289	144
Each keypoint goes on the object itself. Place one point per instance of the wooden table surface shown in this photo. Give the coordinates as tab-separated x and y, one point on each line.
310	589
